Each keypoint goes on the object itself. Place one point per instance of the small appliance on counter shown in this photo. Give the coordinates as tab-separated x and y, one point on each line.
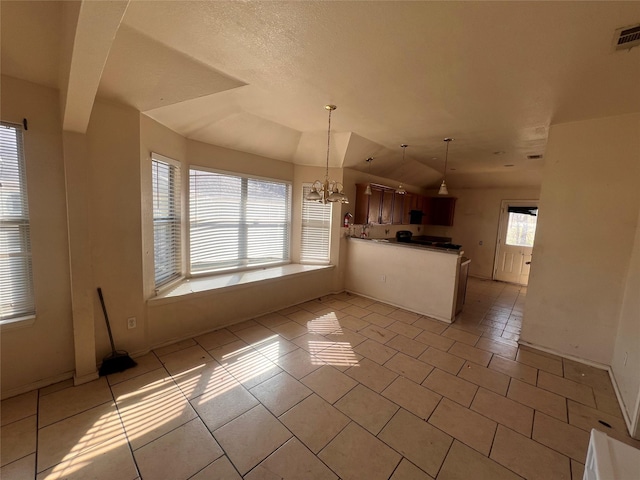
404	236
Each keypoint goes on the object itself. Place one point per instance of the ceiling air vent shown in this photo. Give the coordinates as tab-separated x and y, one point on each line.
534	157
627	37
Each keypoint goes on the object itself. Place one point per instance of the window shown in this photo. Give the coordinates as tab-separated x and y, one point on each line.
236	221
521	227
166	219
316	230
16	278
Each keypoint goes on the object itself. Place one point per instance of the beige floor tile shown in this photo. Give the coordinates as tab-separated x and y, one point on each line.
221	469
407	346
222	405
292	460
174	347
151	405
274	347
215	339
354	324
19	407
409	367
587	418
577	470
185	359
289	330
367	408
361	301
408	471
280	393
372	375
442	360
405	329
313	342
431	325
381	308
314	422
461	336
507	412
435	340
356	454
539	462
464	463
210	377
567	388
254	334
145	363
378	319
230	350
485	377
356	311
596	378
404	315
111	459
22	469
412	397
329	383
538	399
288	310
562	437
379	334
339	355
345	337
242	325
56	387
470	428
18	439
452	387
375	351
250	368
299	363
72	400
272	319
607	402
324	324
180	453
514	369
497	347
67	438
299	316
251	438
475	355
421	443
541	362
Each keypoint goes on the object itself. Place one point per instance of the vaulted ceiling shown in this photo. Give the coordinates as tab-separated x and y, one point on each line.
255	76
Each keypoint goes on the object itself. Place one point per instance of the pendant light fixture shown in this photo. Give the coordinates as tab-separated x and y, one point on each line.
400	190
443	188
367	190
327	191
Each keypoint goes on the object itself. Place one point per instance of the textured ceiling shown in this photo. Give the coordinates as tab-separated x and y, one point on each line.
255	76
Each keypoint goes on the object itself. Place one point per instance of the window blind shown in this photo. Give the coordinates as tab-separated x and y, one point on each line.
16	276
166	220
316	230
236	221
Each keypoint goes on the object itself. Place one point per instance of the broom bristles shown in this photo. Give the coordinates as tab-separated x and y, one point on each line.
118	361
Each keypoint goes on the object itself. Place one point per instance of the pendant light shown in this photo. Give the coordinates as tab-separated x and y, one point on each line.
327	191
367	190
400	190
443	188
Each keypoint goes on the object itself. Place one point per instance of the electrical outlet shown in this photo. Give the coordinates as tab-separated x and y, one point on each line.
480	243
131	323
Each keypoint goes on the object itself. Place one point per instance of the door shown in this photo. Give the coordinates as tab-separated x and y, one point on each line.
516	235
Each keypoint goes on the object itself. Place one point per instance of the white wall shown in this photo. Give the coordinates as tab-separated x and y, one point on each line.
626	352
44	350
589	207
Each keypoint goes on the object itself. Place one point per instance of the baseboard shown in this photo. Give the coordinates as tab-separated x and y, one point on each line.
12	392
85	378
627	419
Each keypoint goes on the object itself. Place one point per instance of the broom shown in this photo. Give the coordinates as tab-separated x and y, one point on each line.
118	360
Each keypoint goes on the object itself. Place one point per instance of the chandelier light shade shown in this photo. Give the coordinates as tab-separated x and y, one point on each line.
443	188
328	190
367	191
400	190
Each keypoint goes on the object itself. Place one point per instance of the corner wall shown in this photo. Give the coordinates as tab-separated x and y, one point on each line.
589	207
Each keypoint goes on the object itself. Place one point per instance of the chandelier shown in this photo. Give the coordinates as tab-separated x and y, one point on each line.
327	190
443	188
401	190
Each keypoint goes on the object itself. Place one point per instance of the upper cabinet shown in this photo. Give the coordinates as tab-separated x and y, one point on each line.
384	206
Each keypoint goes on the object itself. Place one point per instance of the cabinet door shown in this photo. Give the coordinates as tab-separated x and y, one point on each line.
386	212
398	208
375	205
361	215
442	210
407	207
426	210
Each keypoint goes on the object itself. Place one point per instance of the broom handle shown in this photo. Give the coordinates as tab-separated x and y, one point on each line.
106	317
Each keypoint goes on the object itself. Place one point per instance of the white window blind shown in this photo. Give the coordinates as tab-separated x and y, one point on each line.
316	230
166	220
16	277
236	221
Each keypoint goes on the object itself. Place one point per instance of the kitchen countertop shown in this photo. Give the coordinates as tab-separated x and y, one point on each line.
393	241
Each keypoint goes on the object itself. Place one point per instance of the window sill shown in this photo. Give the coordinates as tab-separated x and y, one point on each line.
199	286
17	323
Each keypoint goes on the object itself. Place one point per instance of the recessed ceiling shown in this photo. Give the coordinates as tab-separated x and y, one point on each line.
255	76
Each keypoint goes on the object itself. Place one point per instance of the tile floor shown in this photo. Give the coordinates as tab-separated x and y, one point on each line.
340	387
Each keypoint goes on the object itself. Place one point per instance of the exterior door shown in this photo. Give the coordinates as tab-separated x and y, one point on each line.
514	249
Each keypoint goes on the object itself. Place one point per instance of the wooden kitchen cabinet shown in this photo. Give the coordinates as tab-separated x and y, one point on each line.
441	210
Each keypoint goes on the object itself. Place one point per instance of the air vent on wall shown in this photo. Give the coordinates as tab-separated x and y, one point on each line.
534	157
626	38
